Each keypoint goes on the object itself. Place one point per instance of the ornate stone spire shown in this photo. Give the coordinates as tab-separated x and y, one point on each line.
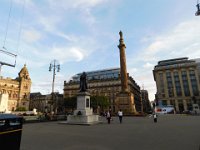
24	72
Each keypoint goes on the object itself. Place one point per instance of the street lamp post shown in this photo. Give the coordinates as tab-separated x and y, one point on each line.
198	8
54	65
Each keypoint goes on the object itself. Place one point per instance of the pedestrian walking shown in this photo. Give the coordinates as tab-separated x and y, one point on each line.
120	115
108	116
155	118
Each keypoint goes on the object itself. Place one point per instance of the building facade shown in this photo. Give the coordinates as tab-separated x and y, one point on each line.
43	103
177	82
18	89
146	106
105	82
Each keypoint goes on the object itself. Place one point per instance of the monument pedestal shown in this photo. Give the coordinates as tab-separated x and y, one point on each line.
125	102
4	103
83	115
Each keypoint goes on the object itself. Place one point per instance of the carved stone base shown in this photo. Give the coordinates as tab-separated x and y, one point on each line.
83	120
83	115
125	102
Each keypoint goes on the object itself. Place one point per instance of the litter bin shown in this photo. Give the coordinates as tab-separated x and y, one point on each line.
10	131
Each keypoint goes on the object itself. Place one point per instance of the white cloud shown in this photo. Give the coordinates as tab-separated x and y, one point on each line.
67	4
31	35
49	22
88	18
180	41
132	70
67	54
148	65
76	52
88	3
71	38
83	9
44	84
183	40
27	3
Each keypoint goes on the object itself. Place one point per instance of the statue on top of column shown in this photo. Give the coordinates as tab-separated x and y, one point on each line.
121	34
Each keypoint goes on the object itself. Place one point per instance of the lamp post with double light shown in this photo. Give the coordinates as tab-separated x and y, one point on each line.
54	66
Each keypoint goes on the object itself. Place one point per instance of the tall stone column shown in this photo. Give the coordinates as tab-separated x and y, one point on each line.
123	70
125	99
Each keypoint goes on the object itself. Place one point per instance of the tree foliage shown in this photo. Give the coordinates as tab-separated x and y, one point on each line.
70	102
95	101
20	109
101	101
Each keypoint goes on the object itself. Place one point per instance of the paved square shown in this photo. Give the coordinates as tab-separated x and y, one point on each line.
172	132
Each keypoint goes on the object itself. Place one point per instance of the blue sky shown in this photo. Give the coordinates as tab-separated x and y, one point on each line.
83	36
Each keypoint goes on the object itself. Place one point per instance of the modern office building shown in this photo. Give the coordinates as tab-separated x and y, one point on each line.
18	90
104	82
177	82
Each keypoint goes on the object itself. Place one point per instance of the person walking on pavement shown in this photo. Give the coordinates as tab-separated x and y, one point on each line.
120	115
108	116
155	117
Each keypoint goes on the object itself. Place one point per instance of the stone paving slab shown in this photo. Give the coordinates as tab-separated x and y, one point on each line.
172	132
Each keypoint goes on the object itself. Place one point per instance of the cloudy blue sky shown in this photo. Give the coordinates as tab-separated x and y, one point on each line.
83	36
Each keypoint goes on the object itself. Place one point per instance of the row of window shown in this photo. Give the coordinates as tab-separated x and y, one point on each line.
178	85
97	75
172	102
191	73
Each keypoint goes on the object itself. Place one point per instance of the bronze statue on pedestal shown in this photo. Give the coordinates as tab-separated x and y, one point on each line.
83	82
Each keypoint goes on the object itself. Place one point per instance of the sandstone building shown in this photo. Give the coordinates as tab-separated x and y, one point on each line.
116	84
18	89
107	83
177	82
43	103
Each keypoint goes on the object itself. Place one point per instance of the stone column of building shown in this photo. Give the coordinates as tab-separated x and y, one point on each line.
197	78
189	83
158	86
182	90
181	82
174	86
166	97
123	70
174	91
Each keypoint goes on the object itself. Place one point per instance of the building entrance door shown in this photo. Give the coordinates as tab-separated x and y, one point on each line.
181	108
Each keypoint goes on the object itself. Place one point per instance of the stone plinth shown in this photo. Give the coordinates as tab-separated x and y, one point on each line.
83	120
125	102
83	115
3	102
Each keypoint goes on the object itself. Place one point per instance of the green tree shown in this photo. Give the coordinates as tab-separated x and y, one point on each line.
20	109
101	101
70	102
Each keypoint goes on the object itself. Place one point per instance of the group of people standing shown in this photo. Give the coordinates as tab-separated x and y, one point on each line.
120	116
109	117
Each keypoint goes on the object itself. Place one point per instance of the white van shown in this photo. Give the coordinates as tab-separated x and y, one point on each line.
169	109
